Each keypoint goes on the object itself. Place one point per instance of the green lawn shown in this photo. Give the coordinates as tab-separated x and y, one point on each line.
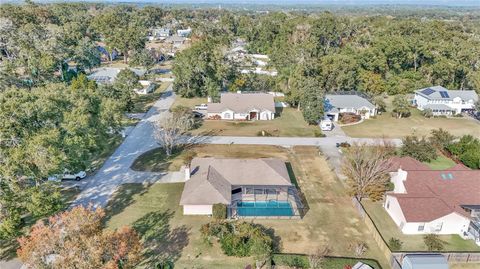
389	229
442	162
290	122
153	210
331	220
387	126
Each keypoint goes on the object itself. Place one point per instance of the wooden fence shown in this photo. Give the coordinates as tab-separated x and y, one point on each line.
396	258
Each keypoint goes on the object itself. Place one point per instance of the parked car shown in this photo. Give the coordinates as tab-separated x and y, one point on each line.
67	175
201	107
198	115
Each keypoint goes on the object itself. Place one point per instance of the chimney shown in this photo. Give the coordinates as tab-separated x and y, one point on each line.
187	172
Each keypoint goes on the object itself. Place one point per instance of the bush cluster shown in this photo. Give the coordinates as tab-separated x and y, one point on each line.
239	239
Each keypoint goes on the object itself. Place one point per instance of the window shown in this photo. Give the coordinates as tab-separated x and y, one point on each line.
248	190
388	205
421	227
227	116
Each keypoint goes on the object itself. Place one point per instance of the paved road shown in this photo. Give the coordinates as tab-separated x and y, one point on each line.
116	170
287	141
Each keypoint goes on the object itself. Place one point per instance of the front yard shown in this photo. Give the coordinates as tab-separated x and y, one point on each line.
331	220
290	122
389	229
389	127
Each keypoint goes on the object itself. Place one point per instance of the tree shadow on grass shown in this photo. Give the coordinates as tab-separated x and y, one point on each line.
161	242
122	198
303	199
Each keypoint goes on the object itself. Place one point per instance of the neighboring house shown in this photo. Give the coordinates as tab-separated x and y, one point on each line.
147	87
243	106
176	41
249	188
159	33
105	55
335	104
445	102
424	261
107	75
434	201
184	32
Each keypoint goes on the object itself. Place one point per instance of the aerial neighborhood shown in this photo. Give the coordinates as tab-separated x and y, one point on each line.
290	135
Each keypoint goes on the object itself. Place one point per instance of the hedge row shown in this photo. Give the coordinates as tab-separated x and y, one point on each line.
301	261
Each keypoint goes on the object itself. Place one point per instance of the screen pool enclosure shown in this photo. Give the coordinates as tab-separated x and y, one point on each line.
281	202
264	208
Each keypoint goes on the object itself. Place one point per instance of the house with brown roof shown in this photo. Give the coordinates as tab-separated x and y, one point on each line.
243	106
434	201
250	188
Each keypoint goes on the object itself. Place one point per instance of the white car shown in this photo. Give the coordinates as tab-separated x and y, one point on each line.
201	107
78	176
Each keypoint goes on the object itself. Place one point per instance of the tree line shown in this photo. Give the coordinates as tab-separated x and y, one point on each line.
322	52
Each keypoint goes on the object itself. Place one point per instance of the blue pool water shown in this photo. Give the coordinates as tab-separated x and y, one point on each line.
264	208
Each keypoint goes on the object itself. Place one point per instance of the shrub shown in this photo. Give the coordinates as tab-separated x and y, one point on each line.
215	117
427	113
240	239
219	211
346	118
390	186
433	242
441	138
419	149
290	260
395	244
471	158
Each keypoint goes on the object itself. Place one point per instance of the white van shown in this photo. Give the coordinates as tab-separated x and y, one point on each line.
326	124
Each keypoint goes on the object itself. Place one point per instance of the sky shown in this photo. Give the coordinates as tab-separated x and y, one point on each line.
293	2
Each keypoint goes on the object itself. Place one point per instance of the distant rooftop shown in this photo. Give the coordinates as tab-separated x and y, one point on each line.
439	92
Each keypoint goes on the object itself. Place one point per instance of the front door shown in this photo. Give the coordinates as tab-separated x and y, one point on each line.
253	115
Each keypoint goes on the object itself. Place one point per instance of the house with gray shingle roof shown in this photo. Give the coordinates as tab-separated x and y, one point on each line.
442	101
335	104
243	106
248	187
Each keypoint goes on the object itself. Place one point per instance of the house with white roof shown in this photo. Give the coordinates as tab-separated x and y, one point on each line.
249	188
108	75
428	201
243	106
445	102
335	104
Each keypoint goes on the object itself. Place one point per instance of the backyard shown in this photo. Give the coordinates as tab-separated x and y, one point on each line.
441	162
331	220
290	122
389	229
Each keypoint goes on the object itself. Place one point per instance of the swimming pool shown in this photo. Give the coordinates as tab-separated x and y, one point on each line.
264	208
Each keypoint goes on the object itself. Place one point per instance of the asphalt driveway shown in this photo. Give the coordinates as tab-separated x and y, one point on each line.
116	170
